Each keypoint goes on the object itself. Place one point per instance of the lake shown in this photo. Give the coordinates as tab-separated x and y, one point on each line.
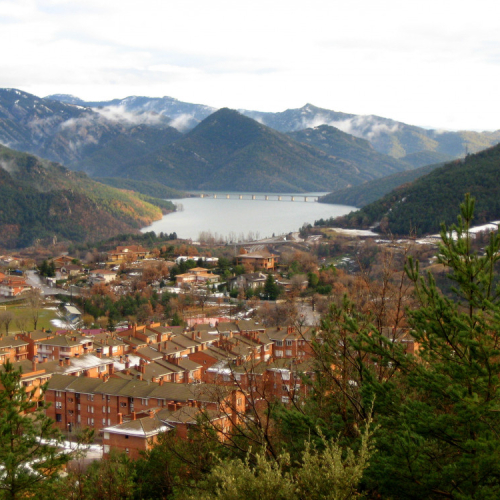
246	219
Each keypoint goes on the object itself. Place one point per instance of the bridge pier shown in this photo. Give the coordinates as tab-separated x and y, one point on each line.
215	196
293	198
253	197
279	198
267	197
305	198
241	196
227	196
202	195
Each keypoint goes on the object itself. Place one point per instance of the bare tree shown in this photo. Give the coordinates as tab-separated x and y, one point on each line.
22	322
6	318
34	303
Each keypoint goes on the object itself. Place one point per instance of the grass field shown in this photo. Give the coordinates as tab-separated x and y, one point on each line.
21	311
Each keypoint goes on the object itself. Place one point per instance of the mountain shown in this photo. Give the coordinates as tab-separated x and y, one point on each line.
387	136
390	137
368	192
42	200
423	158
230	151
77	136
338	144
420	207
183	116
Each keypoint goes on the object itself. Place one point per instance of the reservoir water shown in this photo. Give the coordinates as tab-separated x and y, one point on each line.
237	220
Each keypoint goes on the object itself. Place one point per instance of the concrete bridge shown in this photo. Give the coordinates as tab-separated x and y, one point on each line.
260	197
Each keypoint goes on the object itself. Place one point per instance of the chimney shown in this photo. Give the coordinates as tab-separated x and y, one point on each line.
33	365
111	368
151	413
198	335
99	352
193	336
139	376
120	418
61	362
134	415
142	368
43	330
160	382
127	364
44	359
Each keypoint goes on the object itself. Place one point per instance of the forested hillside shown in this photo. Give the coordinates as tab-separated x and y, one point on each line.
338	144
422	206
42	200
359	196
230	151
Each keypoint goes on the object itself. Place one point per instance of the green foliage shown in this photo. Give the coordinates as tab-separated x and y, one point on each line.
153	189
358	152
41	200
368	192
329	473
271	289
29	455
422	206
439	414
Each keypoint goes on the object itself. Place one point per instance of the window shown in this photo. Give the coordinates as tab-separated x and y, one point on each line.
289	342
70	412
145	402
58	394
288	352
104	409
58	417
90	397
126	449
106	448
90	421
279	354
285	399
123	405
70	400
285	388
279	343
103	421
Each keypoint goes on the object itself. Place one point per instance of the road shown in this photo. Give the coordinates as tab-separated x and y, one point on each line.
33	279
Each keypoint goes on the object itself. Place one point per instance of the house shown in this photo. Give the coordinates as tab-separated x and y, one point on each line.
96	403
247	281
128	253
196	276
263	260
133	436
63	346
12	286
102	276
13	348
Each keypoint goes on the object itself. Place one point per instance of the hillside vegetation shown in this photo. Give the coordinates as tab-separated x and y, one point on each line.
359	196
230	151
420	208
41	200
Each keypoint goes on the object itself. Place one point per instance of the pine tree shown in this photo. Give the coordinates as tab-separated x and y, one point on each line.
440	414
29	455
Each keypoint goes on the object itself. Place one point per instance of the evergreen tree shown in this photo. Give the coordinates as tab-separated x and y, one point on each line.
440	413
271	289
29	457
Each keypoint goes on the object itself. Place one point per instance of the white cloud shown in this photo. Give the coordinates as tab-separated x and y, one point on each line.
424	64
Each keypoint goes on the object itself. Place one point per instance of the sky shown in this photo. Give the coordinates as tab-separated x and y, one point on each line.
432	63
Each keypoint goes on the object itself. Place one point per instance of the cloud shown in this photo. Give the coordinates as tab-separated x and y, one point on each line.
9	166
184	122
121	115
366	127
